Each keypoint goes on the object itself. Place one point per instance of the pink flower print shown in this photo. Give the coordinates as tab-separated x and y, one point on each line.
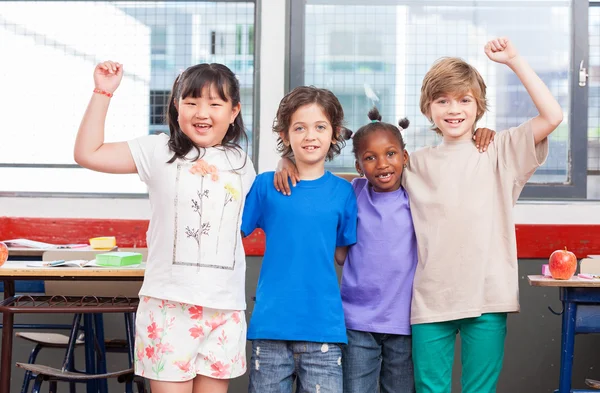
210	357
166	303
184	366
196	312
236	317
146	299
170	323
203	168
153	331
164	348
237	358
220	370
151	354
222	339
196	331
216	321
214	172
140	352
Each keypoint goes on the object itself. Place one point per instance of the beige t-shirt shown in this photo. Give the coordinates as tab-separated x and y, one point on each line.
461	202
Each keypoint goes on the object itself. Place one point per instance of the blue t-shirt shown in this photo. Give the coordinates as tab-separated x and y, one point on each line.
298	297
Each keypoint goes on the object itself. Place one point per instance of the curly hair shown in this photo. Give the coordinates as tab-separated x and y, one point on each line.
306	95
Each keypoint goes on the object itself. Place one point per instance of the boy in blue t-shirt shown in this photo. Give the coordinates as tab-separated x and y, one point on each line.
298	321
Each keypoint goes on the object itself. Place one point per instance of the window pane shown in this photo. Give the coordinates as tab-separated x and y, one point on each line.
48	72
383	51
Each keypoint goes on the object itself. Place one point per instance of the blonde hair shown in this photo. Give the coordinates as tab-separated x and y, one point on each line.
453	76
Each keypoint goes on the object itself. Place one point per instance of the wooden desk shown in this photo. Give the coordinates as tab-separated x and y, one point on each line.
17	270
37	253
575	320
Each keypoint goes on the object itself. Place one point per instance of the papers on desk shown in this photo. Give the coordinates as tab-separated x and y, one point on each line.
26	243
62	263
74	263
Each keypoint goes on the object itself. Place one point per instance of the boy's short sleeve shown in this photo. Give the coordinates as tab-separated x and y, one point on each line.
519	155
252	217
346	231
143	152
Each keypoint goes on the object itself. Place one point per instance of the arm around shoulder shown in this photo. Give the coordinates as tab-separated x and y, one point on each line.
340	255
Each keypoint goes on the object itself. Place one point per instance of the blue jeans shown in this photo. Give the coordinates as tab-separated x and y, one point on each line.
276	365
376	362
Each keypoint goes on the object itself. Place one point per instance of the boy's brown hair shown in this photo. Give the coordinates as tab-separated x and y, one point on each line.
456	77
306	95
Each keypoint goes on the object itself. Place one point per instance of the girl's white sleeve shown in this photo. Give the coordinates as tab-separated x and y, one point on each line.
143	151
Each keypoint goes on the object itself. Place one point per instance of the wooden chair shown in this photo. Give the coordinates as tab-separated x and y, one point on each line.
74	288
68	374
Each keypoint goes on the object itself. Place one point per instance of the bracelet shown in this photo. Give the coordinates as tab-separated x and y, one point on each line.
100	91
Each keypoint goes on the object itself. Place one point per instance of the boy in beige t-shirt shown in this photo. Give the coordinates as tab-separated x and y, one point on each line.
466	279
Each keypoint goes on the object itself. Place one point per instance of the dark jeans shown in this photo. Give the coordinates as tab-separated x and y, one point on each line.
376	362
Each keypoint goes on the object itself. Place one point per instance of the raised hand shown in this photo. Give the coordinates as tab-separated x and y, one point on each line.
108	75
500	50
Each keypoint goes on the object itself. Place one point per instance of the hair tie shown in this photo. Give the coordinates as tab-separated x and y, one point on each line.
374	121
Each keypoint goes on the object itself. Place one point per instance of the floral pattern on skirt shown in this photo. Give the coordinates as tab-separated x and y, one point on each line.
176	341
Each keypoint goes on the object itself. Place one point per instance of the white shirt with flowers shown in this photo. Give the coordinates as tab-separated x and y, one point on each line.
195	251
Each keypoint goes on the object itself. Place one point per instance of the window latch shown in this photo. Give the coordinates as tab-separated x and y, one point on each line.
583	74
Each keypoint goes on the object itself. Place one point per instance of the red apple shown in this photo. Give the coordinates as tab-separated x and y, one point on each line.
563	264
3	253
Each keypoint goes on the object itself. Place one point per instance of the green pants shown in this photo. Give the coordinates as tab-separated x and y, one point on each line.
482	351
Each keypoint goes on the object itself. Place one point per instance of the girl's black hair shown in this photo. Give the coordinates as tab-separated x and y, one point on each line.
377	125
190	84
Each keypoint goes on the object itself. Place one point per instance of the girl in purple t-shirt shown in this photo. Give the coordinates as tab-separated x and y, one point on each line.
378	270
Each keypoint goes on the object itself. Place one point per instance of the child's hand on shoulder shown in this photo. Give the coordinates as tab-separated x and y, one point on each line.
108	75
501	50
483	137
286	170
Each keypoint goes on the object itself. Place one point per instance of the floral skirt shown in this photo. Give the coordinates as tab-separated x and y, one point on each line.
176	341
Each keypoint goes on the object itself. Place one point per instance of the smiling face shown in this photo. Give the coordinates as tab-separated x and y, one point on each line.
454	115
206	119
310	135
381	159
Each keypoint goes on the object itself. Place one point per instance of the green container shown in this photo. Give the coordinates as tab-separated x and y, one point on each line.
118	258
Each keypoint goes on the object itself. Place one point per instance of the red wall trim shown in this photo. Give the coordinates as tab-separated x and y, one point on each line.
129	233
538	241
533	241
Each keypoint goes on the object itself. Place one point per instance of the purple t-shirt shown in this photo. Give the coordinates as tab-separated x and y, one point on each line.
378	274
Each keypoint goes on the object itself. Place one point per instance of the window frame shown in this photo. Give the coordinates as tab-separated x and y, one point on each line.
576	186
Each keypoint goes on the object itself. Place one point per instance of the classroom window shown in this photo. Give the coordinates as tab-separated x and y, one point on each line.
154	40
340	50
